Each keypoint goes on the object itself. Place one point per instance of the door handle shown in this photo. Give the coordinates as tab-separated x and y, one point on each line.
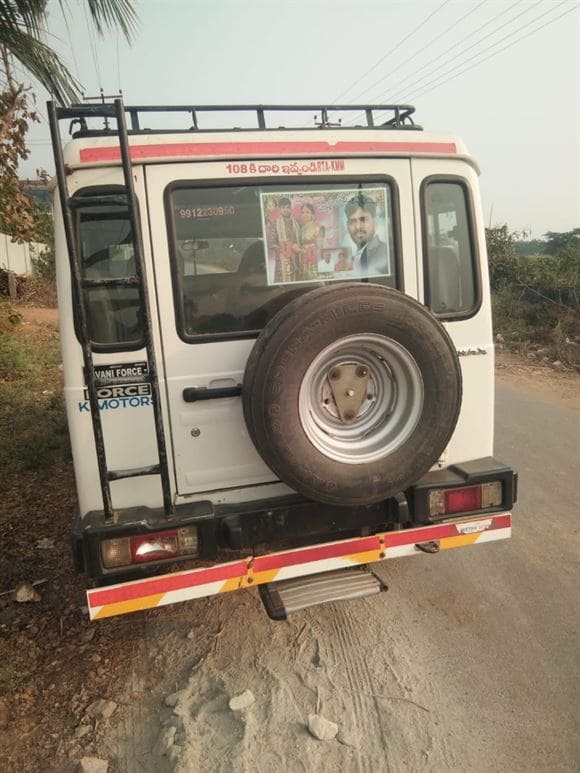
193	394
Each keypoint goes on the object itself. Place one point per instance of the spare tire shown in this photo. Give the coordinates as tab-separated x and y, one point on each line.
351	393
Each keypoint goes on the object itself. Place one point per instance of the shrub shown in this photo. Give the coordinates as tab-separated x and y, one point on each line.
33	431
535	298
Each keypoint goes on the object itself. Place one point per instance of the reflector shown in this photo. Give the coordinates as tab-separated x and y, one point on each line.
116	552
491	494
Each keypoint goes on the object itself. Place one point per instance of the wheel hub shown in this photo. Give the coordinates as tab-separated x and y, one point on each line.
349	386
361	398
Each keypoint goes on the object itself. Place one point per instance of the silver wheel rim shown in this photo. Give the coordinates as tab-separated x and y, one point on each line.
388	413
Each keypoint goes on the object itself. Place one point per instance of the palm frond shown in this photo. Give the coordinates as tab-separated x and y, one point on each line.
22	29
22	14
113	14
42	62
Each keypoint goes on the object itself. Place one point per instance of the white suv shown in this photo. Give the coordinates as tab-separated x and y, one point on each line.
285	335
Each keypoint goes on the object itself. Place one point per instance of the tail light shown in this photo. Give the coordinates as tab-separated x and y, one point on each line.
155	546
465	499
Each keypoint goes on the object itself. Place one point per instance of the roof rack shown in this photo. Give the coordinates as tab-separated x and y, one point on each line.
397	117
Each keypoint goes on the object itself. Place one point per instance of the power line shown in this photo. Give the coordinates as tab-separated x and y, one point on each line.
495	53
462	40
485	37
470	35
72	48
392	51
93	47
118	63
420	50
493	45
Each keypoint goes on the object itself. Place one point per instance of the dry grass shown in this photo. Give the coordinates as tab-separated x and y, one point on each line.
33	432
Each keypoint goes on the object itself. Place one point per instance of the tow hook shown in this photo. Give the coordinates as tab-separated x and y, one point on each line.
428	547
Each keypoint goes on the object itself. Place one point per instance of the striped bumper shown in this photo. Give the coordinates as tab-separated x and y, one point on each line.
247	572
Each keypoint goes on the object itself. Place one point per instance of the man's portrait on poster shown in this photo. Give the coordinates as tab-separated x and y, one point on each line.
313	236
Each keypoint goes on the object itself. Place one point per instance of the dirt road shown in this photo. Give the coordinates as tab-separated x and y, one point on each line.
469	662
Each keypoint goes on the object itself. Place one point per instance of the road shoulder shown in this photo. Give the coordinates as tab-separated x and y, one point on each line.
538	379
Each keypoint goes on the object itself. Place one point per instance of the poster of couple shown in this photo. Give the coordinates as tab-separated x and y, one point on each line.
314	236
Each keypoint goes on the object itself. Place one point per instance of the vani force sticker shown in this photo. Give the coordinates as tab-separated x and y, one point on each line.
119	395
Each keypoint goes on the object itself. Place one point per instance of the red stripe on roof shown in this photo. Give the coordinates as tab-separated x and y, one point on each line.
168	582
320	148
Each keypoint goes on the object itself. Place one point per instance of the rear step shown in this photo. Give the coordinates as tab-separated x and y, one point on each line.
282	598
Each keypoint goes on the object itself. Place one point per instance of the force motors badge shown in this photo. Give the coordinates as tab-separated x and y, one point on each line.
127	394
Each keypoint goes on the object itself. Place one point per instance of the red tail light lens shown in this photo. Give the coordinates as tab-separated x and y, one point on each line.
156	546
465	499
462	500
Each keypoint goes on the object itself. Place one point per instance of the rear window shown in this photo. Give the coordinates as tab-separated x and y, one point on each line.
241	253
106	251
451	287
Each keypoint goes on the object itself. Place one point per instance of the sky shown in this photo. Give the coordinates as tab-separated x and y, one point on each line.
504	75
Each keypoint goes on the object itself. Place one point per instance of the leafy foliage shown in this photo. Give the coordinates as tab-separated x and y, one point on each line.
552	243
529	246
560	243
501	255
535	296
22	27
17	210
9	316
556	266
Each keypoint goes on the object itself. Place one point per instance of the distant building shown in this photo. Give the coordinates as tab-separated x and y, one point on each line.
38	190
19	258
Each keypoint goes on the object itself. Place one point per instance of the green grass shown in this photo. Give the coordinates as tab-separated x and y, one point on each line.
33	431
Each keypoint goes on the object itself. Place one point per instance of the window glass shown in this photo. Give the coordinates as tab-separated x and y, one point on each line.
241	253
106	252
450	259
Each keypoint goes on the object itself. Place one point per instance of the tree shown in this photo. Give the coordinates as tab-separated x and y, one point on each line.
17	210
501	256
529	247
558	243
22	27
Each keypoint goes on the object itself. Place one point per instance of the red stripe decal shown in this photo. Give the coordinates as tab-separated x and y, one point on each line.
168	582
263	149
411	537
307	555
223	572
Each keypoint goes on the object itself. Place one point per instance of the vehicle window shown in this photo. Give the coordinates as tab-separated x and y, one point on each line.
106	252
451	287
241	253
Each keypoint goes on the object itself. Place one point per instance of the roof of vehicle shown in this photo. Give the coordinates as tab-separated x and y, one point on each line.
382	130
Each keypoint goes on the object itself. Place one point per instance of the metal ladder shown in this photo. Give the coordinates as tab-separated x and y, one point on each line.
139	280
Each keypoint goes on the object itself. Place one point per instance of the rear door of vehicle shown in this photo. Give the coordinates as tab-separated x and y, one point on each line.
451	234
212	228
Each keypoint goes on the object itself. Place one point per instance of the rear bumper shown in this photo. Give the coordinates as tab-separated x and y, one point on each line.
266	526
254	570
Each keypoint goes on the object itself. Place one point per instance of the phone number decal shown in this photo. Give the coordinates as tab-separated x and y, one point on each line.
294	168
217	211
